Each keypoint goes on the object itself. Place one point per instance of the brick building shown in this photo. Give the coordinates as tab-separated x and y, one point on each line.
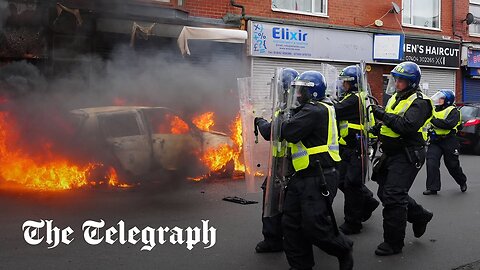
340	32
437	26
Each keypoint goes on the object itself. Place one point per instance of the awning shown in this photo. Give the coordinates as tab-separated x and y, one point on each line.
213	34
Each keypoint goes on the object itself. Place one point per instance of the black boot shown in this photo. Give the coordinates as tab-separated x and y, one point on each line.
265	247
430	192
420	226
345	262
348	228
385	249
463	187
370	206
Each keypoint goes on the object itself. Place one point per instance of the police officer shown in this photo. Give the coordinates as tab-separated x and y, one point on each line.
403	136
271	226
445	123
359	201
307	215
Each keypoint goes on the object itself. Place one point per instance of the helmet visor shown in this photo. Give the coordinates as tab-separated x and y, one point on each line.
391	88
438	98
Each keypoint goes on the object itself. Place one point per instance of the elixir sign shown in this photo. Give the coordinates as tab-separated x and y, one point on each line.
299	42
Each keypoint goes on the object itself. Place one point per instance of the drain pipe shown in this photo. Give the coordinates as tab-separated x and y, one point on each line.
234	4
242	20
454	20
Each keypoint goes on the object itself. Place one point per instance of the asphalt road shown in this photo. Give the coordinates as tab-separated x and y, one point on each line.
451	240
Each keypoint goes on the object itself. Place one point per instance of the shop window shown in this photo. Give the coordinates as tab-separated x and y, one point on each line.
422	13
309	7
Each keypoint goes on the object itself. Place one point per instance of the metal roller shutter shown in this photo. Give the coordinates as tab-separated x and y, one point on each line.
262	72
471	90
437	79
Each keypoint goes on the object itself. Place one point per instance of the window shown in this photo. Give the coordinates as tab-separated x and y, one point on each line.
180	2
475	10
165	122
468	112
318	7
119	125
422	13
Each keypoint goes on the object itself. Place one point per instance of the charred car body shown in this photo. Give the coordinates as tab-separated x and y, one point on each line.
141	141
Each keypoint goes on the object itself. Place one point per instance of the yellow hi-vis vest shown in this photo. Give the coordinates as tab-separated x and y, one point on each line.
301	154
442	115
400	110
344	126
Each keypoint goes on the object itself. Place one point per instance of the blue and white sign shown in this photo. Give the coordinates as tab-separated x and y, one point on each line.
288	41
388	47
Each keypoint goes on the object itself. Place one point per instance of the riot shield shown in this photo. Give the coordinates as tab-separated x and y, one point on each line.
278	162
331	76
247	114
366	119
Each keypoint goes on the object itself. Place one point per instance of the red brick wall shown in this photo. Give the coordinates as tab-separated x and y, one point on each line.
353	13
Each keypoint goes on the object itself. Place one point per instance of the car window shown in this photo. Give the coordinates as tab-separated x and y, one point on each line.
119	125
166	122
468	112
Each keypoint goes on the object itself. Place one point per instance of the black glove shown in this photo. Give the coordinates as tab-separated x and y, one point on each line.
378	112
258	120
375	130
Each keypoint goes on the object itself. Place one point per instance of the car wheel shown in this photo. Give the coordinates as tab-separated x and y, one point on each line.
476	150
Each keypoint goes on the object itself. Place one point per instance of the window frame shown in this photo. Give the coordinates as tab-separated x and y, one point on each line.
315	14
474	3
410	25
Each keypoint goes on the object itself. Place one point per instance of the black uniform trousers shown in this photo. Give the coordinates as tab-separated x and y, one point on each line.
395	177
448	147
306	222
271	226
357	195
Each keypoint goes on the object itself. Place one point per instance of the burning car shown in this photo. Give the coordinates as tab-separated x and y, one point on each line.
137	141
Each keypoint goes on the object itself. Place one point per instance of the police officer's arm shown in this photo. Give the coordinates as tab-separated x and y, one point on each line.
346	108
450	122
300	125
265	128
413	119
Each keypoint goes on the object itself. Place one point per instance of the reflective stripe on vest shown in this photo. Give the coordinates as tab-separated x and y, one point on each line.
442	115
400	110
301	154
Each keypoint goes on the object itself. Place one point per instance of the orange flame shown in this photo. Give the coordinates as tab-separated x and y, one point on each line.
204	121
48	172
217	158
177	125
118	101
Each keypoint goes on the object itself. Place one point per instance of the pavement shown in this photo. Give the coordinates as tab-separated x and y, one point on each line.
452	239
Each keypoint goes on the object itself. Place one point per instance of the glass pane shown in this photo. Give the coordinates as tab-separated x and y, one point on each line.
294	5
407	11
474	28
180	2
119	125
320	6
165	122
426	13
468	112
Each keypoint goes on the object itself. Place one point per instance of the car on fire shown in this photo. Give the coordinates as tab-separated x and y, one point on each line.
469	135
138	141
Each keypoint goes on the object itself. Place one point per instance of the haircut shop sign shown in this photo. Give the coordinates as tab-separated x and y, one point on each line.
432	53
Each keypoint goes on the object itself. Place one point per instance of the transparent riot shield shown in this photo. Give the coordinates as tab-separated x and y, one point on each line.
247	114
366	119
331	76
278	163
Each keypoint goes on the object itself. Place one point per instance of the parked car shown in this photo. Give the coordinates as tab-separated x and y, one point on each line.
139	140
469	135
